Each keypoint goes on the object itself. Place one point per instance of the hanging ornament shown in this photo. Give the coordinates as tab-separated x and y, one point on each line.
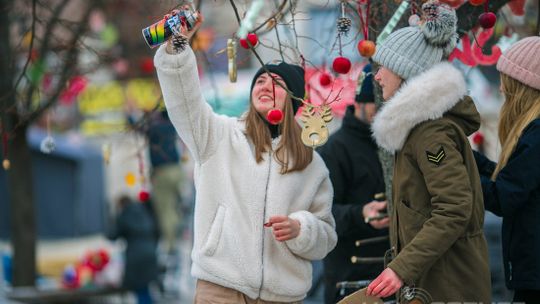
252	38
144	196
274	116
325	79
393	21
365	47
487	19
47	145
231	57
315	130
130	179
343	23
341	65
476	2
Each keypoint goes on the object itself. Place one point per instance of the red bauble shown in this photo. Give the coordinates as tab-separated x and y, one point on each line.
144	196
274	116
476	2
478	138
366	48
341	65
252	39
487	20
146	65
325	79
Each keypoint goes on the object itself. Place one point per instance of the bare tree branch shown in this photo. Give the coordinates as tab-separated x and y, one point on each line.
69	65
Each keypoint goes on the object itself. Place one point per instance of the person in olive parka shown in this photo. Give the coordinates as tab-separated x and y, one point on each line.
438	212
356	175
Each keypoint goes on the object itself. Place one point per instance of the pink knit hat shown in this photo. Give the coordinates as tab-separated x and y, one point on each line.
522	61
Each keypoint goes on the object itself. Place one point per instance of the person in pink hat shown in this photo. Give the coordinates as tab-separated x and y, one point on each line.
511	187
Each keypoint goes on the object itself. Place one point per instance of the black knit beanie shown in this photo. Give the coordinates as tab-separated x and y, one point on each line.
366	91
292	75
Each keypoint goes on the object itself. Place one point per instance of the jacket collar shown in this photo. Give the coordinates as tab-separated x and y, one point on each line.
424	97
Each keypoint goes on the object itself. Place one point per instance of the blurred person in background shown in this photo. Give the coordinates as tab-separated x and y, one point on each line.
263	203
135	224
356	174
166	174
511	187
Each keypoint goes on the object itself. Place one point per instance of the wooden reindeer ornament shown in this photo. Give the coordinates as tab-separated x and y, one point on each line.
315	131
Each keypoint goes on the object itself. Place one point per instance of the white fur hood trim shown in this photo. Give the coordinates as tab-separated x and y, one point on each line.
424	97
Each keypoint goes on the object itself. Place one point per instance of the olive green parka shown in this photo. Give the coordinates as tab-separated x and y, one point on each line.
438	211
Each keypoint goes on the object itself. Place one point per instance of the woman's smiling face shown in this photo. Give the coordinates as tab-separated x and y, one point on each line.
266	95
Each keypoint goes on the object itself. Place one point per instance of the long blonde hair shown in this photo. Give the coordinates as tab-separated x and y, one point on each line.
522	106
291	153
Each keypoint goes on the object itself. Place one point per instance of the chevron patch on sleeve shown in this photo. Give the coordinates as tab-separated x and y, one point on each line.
436	158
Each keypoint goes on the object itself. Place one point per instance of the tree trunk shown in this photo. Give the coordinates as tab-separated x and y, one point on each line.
19	176
23	219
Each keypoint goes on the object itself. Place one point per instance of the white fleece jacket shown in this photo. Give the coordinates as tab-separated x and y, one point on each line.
236	195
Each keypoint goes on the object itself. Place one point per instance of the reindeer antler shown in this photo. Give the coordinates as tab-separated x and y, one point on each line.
326	113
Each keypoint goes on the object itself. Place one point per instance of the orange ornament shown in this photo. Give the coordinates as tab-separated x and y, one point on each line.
366	48
130	179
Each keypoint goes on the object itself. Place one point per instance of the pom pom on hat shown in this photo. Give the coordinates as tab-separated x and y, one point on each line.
412	50
440	25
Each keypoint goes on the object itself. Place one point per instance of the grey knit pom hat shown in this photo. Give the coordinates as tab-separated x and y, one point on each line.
412	50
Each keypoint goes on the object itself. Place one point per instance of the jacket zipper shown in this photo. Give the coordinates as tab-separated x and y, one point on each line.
264	219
